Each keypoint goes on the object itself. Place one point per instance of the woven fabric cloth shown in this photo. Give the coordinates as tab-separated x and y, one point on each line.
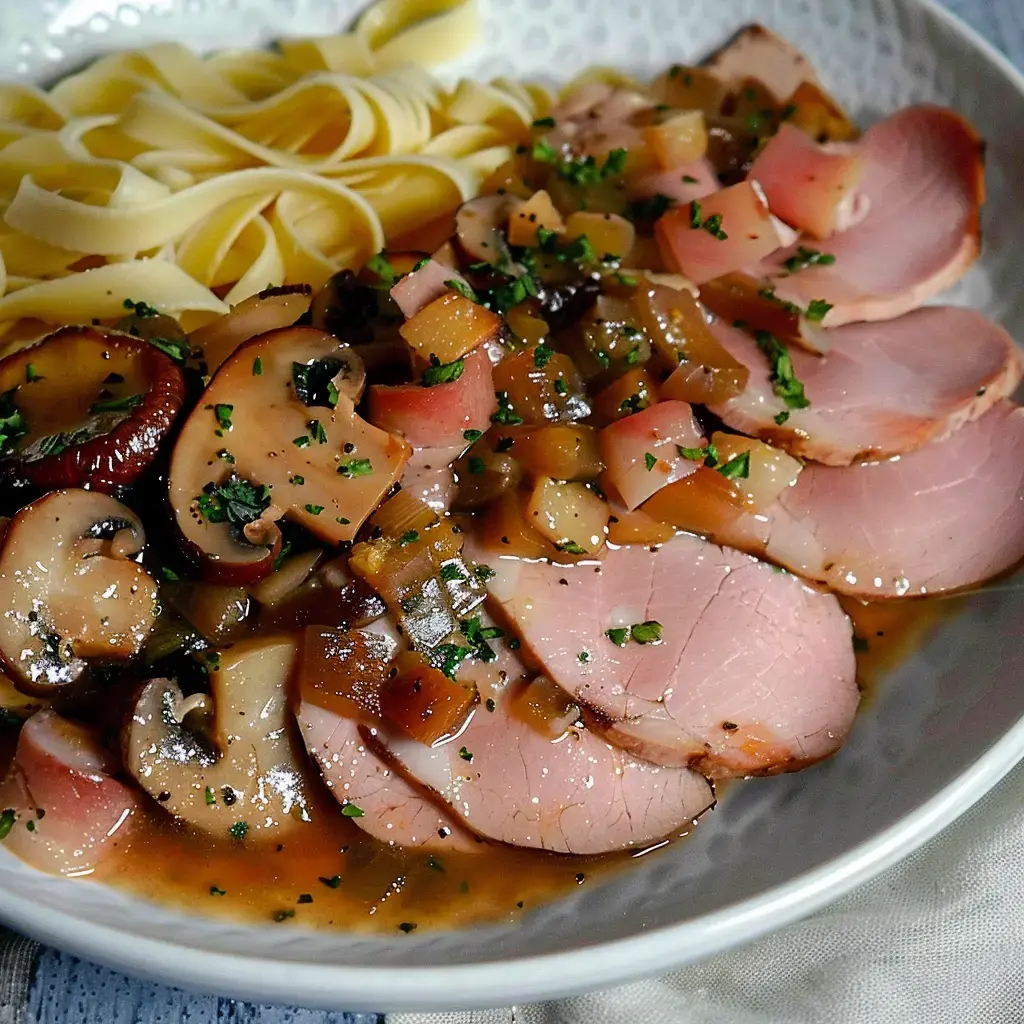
938	938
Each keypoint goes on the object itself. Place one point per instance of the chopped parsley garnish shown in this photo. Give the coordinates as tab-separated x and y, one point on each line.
784	380
472	435
7	819
297	480
465	755
178	349
571	547
305	897
211	797
120	404
484	573
712	225
560	386
696	214
649	209
648	632
167	573
332	882
541	355
409	537
313	510
462	288
476	465
30	374
689	179
216	890
544	122
737	468
449	657
817	310
579	170
804	258
143	310
781	417
408	926
650	461
356	467
489	704
222	413
381	266
239	830
584	656
317	432
708	454
343	520
257	367
451	573
618	636
352	811
478	635
301	442
420	264
12	423
236	502
442	373
226	456
637	402
505	414
314	381
626	280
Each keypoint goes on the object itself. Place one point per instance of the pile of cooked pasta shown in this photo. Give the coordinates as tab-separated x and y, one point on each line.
198	181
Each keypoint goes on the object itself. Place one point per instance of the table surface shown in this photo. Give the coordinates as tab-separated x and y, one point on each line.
67	990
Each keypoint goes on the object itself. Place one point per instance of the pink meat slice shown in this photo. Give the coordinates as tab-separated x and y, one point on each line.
394	810
923	178
575	793
881	389
754	674
941	518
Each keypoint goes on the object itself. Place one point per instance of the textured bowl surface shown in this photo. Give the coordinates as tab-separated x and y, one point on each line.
944	728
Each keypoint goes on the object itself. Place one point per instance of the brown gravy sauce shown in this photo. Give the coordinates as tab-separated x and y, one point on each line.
330	875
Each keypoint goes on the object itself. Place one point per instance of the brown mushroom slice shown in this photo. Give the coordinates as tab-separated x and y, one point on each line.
224	762
84	407
267	311
71	590
267	441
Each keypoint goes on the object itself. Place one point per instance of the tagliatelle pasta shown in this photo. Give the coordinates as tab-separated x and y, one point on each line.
195	181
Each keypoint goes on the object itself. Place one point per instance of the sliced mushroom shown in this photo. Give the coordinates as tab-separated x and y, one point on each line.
85	407
277	434
71	589
267	311
223	762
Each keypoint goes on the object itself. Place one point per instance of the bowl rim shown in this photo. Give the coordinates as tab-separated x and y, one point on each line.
549	975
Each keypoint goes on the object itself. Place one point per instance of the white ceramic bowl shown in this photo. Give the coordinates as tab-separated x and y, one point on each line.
944	728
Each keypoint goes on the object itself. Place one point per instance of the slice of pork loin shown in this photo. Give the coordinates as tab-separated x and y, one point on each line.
881	389
574	793
394	810
754	673
923	181
947	516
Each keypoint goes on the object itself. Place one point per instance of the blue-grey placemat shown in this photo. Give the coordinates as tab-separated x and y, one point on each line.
66	990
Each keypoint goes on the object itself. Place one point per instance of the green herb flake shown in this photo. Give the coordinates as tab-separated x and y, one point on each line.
462	289
257	367
239	830
505	415
332	883
30	374
472	436
560	386
382	267
618	636
216	890
543	122
125	404
301	442
649	209
352	811
784	380
696	215
409	537
297	480
541	355
236	502
343	520
465	755
450	573
737	468
476	465
626	280
648	632
484	573
713	226
313	510
7	819
650	461
442	373
690	179
571	547
226	456
317	432
167	573
211	797
584	656
817	310
143	310
356	467
781	417
222	413
804	258
708	454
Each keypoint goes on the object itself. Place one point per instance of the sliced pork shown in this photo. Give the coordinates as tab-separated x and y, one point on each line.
66	809
923	184
942	518
882	389
751	672
394	810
